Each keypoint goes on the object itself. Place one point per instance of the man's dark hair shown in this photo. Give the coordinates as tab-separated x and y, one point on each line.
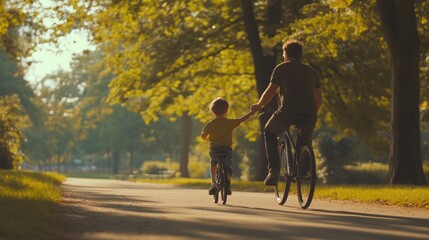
293	48
219	106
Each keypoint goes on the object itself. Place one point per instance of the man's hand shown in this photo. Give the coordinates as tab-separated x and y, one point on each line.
254	107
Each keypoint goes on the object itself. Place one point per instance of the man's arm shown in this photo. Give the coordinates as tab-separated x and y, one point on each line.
204	136
318	96
266	96
205	132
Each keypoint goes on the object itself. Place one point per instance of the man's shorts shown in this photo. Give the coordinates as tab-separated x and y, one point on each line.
280	122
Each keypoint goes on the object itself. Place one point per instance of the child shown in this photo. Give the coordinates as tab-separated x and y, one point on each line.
218	132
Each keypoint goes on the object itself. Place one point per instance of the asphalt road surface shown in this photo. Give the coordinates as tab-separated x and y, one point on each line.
111	209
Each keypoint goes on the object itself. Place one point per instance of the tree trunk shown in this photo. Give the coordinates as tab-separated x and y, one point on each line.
400	29
264	65
184	145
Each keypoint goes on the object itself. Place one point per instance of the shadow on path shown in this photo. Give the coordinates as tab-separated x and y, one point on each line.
84	214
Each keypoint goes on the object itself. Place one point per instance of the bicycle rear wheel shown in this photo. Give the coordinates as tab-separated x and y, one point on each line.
222	189
306	176
283	184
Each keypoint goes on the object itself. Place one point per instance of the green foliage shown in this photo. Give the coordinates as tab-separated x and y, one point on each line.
199	161
12	120
54	140
166	64
332	155
365	173
343	41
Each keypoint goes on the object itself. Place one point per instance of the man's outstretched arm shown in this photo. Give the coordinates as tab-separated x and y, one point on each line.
266	96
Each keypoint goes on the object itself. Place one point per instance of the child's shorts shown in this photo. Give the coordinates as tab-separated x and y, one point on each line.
227	150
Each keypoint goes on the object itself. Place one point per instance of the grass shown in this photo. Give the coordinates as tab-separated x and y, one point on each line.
27	204
407	196
95	175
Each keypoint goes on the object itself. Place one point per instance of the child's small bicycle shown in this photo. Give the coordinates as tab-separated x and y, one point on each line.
221	178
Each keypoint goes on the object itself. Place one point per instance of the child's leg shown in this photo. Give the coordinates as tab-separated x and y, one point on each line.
213	169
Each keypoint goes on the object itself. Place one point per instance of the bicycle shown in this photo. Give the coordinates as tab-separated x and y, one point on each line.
221	178
297	164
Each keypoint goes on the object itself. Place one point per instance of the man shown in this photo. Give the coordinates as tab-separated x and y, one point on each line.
301	98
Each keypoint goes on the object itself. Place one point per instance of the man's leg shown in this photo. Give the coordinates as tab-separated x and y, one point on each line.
213	187
213	169
275	126
307	135
272	151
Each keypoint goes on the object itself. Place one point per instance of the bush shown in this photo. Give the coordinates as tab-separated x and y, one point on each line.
370	173
332	155
154	166
365	173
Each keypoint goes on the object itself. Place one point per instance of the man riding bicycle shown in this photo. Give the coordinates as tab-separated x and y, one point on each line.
301	98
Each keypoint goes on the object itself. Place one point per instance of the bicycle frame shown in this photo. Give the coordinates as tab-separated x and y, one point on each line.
292	150
220	179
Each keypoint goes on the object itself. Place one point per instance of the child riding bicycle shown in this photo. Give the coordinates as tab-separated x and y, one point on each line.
218	132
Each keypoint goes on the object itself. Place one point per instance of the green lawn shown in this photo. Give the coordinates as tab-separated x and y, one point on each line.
95	175
408	196
27	204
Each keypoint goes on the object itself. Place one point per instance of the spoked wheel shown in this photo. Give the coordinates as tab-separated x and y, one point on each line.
283	184
220	182
306	176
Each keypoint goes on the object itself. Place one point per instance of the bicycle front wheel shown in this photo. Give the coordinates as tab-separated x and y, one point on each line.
306	176
283	184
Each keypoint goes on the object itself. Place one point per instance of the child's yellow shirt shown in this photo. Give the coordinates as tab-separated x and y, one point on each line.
219	131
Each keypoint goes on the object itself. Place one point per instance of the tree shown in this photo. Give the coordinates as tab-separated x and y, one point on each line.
171	58
12	120
399	24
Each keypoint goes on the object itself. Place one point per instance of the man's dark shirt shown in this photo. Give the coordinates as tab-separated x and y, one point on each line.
297	82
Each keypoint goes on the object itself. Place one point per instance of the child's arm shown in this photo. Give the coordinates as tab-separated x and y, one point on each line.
246	116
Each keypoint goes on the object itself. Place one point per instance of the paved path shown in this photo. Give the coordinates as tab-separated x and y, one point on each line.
110	209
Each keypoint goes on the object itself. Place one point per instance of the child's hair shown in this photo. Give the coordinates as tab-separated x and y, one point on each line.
219	106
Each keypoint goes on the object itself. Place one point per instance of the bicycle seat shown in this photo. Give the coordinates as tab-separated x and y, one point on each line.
301	125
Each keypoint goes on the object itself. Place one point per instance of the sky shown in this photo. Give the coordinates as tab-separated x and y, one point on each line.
49	58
